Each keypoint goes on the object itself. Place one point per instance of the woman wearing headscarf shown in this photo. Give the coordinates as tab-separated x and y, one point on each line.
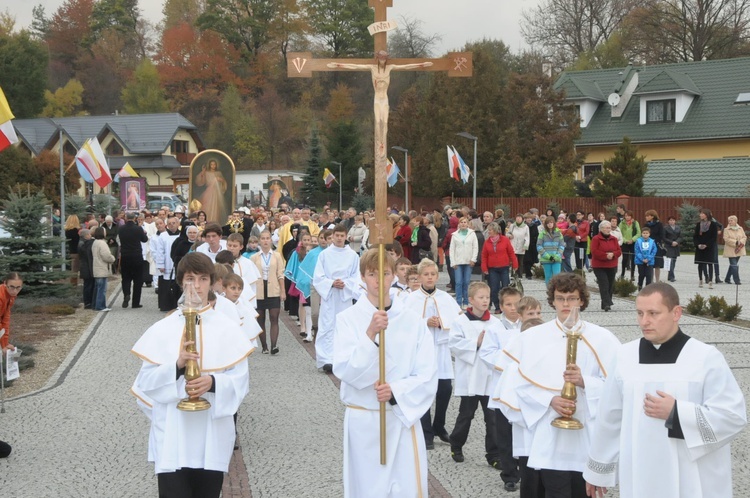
704	238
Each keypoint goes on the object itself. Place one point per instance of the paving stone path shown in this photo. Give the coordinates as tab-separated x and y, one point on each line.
82	435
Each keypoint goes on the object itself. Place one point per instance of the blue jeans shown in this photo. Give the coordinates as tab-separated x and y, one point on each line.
100	293
550	270
567	266
499	278
463	277
734	270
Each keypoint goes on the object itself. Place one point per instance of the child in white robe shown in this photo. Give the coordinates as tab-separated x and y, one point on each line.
233	285
529	389
438	309
336	279
244	268
191	450
411	381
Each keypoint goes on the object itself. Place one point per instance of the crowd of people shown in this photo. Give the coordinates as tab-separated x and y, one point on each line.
464	341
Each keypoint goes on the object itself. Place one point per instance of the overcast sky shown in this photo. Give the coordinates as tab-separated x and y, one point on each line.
457	21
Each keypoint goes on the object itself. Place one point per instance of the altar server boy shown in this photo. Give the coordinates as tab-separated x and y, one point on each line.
233	287
530	389
191	450
473	376
336	279
411	381
438	309
668	411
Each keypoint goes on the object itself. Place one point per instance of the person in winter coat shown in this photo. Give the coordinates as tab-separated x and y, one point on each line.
86	267
463	253
550	246
657	235
704	238
497	258
102	259
645	254
605	253
520	238
421	247
672	240
734	248
531	257
403	236
356	233
452	227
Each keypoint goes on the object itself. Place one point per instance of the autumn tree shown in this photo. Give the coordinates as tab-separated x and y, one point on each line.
340	26
143	94
177	12
65	34
16	167
622	174
65	101
235	131
23	68
47	169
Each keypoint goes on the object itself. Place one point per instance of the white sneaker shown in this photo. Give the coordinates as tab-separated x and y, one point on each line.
106	309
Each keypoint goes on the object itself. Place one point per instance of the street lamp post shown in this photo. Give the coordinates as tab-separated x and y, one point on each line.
62	198
406	175
341	203
472	137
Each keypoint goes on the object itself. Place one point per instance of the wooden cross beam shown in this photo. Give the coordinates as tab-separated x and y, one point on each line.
456	64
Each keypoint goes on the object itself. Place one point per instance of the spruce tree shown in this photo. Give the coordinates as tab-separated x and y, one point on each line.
31	249
314	174
622	174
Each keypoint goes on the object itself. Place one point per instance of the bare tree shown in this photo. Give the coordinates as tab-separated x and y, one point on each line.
411	41
689	30
566	28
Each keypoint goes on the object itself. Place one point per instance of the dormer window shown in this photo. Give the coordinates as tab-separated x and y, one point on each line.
660	111
114	149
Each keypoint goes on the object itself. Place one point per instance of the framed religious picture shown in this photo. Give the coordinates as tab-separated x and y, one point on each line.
212	177
278	193
133	193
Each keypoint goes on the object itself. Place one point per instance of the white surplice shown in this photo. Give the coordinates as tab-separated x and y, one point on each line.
179	439
442	305
635	449
333	263
250	276
474	376
411	372
527	388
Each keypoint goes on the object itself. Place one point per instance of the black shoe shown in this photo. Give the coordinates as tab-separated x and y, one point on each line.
125	300
457	455
274	351
718	281
444	437
727	281
328	368
136	306
607	308
511	486
265	351
429	445
494	464
303	334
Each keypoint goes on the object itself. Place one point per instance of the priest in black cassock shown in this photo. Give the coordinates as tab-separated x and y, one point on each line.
667	413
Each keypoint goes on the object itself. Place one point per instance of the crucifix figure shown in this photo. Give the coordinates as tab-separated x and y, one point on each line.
381	79
456	64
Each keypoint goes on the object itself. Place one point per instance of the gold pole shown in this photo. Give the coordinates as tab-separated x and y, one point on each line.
569	389
381	347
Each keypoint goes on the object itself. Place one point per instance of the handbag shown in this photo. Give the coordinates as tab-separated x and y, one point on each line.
425	254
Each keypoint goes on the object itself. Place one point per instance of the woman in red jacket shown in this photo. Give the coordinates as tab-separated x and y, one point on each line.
605	252
9	289
403	236
497	258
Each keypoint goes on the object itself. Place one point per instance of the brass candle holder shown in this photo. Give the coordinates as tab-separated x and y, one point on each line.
192	369
569	389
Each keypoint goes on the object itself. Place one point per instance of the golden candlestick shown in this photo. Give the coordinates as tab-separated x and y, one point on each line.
569	389
192	369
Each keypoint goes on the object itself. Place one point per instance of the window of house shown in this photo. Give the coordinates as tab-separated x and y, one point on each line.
244	186
179	146
590	169
114	148
660	111
69	149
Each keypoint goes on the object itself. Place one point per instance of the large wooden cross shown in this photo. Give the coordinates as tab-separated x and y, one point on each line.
456	64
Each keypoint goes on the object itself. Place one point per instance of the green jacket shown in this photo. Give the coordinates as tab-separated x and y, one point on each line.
630	232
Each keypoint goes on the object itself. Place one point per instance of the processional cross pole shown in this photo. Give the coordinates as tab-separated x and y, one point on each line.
456	64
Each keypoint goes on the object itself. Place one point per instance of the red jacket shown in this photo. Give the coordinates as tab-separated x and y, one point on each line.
499	257
6	303
404	238
600	246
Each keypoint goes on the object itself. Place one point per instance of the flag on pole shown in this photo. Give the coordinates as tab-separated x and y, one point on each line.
454	167
92	165
392	171
127	171
328	178
7	132
465	173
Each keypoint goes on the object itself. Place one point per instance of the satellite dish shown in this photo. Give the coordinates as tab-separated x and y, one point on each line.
613	99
